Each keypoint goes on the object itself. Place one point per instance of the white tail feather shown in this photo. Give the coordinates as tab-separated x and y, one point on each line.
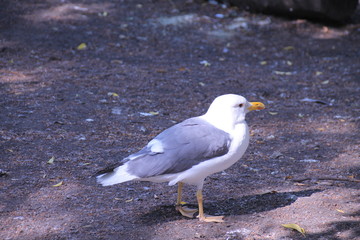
119	175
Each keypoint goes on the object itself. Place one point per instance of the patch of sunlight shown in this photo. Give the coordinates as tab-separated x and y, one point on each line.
324	32
178	20
44	212
18	82
237	24
69	11
223	34
229	31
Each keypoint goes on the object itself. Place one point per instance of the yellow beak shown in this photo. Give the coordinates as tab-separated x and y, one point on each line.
256	106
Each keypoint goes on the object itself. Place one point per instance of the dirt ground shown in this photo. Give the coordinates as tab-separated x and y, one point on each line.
84	83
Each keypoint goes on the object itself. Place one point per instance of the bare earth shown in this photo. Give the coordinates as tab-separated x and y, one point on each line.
69	109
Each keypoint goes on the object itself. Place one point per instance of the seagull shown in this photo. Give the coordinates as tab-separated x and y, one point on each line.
188	152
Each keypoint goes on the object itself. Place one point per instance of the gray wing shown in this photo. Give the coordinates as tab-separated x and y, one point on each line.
178	148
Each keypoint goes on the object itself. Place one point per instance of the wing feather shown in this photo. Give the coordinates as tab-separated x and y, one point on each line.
183	145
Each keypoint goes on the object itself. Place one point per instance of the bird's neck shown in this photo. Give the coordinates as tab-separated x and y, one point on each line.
226	124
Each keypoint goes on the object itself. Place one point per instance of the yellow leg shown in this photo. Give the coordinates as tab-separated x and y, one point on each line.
185	211
202	216
180	186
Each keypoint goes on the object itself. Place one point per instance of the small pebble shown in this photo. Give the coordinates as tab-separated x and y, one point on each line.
219	15
310	160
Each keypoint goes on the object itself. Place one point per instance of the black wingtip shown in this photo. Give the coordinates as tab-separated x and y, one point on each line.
108	169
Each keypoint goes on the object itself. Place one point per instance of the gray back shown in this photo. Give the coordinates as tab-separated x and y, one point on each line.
185	144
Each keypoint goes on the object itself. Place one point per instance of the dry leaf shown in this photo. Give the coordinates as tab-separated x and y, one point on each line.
58	184
112	94
340	211
149	114
154	113
51	160
129	200
299	184
161	70
117	61
295	227
182	69
325	82
288	48
205	63
82	46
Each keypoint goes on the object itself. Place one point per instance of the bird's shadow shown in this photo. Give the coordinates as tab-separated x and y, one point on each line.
230	207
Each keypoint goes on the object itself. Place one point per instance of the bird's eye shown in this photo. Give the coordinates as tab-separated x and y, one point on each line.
241	105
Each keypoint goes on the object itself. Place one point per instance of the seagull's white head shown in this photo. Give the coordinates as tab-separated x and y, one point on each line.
228	110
